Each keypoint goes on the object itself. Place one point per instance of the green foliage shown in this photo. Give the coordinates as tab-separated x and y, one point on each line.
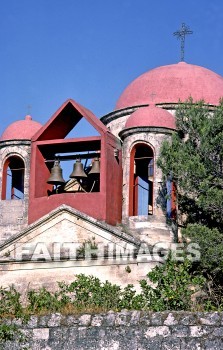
42	299
194	159
130	300
173	281
10	302
11	333
7	332
174	286
88	292
87	247
210	243
214	300
169	287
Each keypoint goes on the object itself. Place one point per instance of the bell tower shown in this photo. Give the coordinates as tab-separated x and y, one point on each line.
94	187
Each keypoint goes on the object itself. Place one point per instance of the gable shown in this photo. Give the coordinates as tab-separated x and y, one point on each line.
60	232
65	119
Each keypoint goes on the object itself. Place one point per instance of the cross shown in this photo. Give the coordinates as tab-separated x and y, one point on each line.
152	95
180	34
29	107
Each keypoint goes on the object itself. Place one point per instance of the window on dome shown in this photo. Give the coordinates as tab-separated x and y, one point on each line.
141	180
13	179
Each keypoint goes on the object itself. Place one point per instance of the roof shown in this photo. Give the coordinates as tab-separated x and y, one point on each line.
65	119
21	129
171	83
151	116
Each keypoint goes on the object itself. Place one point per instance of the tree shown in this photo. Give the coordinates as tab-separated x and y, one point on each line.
194	160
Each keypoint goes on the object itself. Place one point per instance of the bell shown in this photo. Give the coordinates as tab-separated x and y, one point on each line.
56	177
95	169
78	170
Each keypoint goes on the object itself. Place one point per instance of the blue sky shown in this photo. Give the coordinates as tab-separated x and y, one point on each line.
90	50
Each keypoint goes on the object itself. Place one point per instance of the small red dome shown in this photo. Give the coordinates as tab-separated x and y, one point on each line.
169	84
151	116
21	129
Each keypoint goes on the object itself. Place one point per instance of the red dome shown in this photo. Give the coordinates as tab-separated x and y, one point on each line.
169	84
151	116
21	130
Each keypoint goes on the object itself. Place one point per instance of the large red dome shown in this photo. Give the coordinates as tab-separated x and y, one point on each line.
21	130
169	84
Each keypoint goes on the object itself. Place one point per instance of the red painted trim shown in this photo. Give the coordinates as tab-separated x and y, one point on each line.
61	123
4	178
69	141
131	182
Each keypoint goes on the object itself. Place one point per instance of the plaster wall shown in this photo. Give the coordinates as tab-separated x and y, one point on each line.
117	125
36	275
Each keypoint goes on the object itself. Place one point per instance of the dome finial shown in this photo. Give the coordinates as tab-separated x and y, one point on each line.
28	117
180	34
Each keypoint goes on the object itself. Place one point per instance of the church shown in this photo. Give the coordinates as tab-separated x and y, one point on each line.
72	204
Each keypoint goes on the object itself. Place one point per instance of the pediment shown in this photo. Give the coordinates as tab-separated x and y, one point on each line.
61	230
65	119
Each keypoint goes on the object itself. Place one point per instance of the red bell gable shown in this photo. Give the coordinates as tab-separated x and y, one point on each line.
105	203
65	119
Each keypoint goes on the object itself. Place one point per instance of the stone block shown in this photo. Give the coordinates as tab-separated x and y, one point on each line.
54	320
41	333
85	320
170	320
162	331
180	331
199	331
210	318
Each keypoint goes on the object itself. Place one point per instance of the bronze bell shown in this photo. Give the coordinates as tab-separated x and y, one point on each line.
95	169
56	177
78	170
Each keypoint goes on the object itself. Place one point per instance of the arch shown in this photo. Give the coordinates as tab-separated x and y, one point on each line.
13	178
141	184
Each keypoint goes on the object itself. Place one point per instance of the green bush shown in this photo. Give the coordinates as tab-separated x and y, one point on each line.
169	287
10	303
174	286
89	292
42	299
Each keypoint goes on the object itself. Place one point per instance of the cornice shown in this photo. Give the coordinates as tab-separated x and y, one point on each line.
144	129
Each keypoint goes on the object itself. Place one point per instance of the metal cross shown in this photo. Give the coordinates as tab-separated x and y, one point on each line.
180	34
29	107
152	95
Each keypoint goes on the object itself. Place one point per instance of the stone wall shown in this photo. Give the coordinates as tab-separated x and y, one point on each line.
130	330
14	213
152	137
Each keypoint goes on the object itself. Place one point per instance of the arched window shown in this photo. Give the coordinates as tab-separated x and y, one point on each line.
141	180
13	178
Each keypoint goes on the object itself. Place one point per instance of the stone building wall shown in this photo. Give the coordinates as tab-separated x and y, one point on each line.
135	330
14	213
152	137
